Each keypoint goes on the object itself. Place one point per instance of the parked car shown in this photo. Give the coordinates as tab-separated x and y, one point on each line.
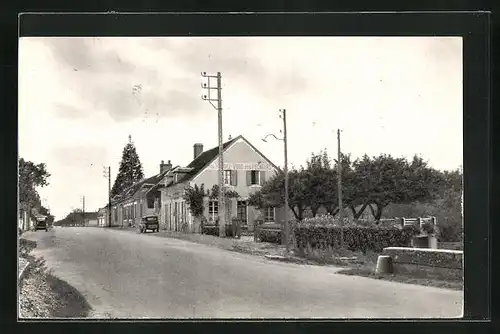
149	223
41	224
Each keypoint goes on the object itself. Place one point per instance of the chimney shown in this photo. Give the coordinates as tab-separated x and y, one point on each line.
198	149
165	166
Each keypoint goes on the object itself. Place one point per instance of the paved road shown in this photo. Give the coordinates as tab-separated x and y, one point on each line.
124	274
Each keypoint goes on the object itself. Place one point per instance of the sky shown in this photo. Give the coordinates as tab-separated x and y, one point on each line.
80	99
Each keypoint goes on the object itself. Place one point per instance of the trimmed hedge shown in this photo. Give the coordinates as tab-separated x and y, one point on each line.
269	233
214	230
324	232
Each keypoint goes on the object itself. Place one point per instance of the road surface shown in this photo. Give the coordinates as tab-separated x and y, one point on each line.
130	275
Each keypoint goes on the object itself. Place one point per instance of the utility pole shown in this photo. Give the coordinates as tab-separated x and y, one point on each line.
287	224
83	212
339	186
218	107
107	174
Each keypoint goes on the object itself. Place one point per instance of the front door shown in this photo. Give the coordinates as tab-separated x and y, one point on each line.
242	210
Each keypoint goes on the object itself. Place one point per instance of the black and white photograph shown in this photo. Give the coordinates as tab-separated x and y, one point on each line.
244	177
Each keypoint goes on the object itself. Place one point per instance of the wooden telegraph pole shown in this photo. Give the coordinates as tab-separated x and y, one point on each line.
218	107
339	186
107	174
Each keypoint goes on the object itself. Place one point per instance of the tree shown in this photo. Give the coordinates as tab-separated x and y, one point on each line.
130	170
447	207
228	193
385	180
194	198
272	192
31	176
320	182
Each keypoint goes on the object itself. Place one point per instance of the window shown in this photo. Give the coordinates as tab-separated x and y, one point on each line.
255	177
115	214
241	211
227	177
213	210
151	203
269	214
230	177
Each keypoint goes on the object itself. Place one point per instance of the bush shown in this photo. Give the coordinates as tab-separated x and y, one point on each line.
211	229
324	232
269	233
450	231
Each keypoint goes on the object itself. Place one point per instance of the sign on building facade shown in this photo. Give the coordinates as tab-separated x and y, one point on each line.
264	166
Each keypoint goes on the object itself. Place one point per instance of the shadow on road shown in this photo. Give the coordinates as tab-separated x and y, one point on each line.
72	303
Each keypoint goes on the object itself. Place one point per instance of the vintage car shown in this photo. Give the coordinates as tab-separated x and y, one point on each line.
149	223
41	224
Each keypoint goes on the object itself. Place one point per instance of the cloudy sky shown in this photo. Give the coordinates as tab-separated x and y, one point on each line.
80	98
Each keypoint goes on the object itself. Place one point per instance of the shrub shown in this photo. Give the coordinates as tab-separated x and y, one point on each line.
269	233
211	229
428	228
324	232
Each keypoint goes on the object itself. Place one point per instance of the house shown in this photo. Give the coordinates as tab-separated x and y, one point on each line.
27	218
91	218
138	200
103	217
245	170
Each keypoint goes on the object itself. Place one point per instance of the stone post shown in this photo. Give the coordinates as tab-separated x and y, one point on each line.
384	265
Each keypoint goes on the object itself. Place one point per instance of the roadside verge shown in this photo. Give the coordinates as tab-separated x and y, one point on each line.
43	295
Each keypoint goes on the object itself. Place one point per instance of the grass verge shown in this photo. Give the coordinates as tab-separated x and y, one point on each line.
43	295
367	272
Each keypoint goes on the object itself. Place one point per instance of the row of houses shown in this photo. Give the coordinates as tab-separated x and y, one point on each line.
245	170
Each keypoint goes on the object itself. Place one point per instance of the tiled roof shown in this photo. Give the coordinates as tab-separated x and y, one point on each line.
131	190
204	159
158	178
91	215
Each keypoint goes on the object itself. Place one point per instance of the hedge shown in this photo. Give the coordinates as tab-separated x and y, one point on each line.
214	230
356	238
269	233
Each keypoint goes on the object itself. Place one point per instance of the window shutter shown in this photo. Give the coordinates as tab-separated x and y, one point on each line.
262	177
249	177
234	177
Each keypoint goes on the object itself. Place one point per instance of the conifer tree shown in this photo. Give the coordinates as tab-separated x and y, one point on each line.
130	170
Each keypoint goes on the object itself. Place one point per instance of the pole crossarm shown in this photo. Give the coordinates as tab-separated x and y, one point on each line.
218	106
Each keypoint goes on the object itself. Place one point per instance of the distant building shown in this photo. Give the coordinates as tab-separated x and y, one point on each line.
103	217
91	219
138	200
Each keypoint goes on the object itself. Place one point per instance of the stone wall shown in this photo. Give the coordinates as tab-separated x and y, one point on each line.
425	262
